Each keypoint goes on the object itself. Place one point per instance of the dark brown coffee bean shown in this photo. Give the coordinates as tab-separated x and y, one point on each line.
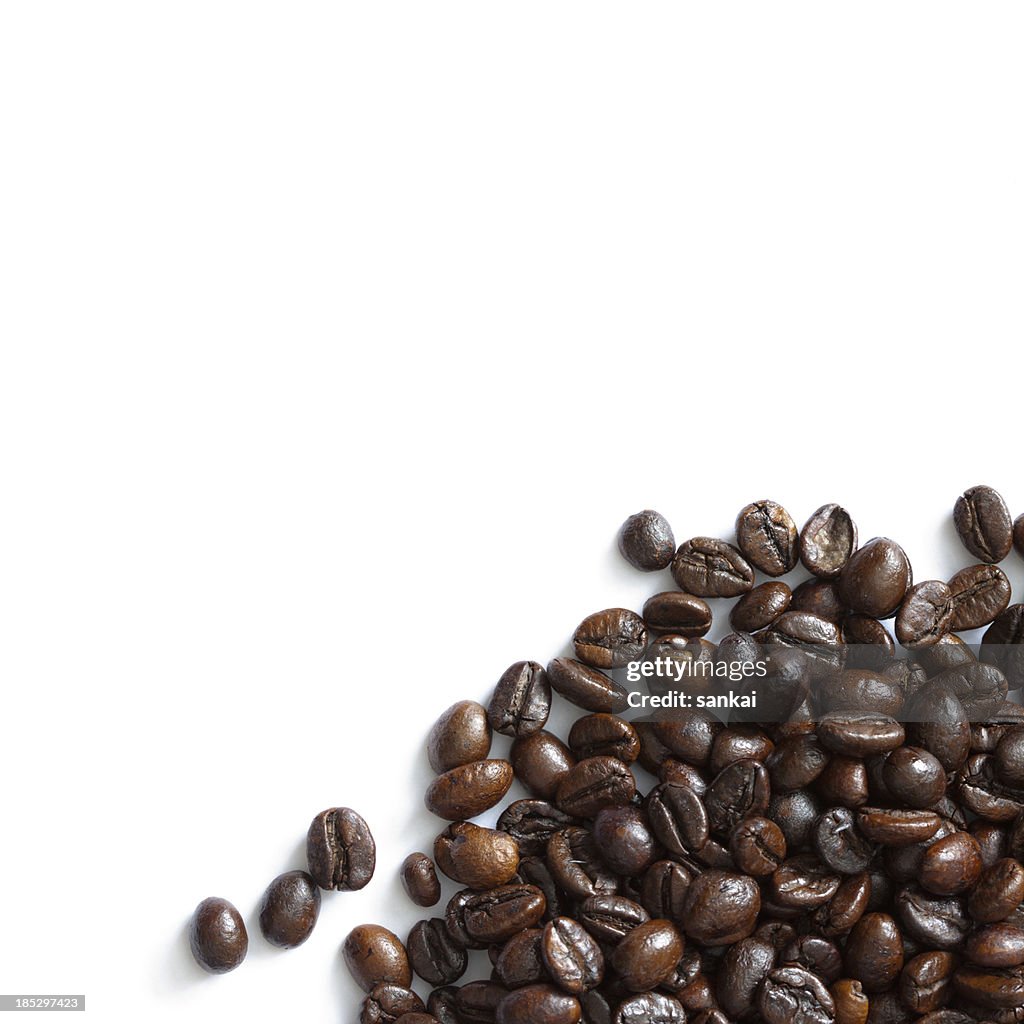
677	818
519	963
926	982
721	908
340	850
846	908
664	888
602	735
792	995
419	879
897	826
460	736
760	607
757	846
858	690
625	840
649	1008
925	614
608	917
803	883
738	791
874	952
679	613
839	842
860	735
478	1002
827	541
980	594
851	1003
539	1004
610	639
388	1003
217	936
999	891
795	813
996	945
844	782
593	784
442	1004
647	955
289	909
951	865
744	966
817	638
646	541
434	954
795	763
991	987
876	578
586	687
939	724
711	568
531	823
821	598
469	790
983	522
540	761
937	922
521	701
868	643
767	536
498	914
1018	535
683	733
572	958
914	777
479	858
1008	757
374	956
1003	645
577	866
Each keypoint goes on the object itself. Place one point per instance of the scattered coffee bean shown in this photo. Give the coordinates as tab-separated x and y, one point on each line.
289	909
460	736
217	936
469	790
983	522
767	536
646	541
521	701
419	879
610	639
376	956
340	850
707	567
679	613
827	541
876	578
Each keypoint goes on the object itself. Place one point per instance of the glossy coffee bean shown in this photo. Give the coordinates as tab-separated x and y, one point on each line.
498	914
573	959
664	888
217	936
980	594
996	945
925	984
593	784
757	846
983	522
851	1002
531	823
876	578
803	883
678	818
874	952
869	644
740	790
610	639
577	865
744	967
649	1008
521	701
479	858
721	907
647	955
540	762
792	994
460	736
707	567
623	836
419	879
821	598
340	850
914	777
925	615
839	843
767	536
609	917
586	687
937	922
434	955
1003	644
469	790
520	963
678	613
646	541
478	1002
860	734
951	865
827	541
897	826
539	1004
603	735
289	909
1018	535
376	956
387	1003
760	607
998	892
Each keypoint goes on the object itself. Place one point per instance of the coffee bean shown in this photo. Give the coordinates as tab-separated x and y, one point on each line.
999	891
469	790
980	594
803	883
664	889
577	866
478	1002
217	936
480	858
869	644
519	963
914	777
993	988
840	844
874	952
925	615
593	784
721	908
821	598
531	823
858	735
792	995
938	922
521	700
649	1008
679	613
586	687
744	967
340	850
1003	644
498	914
646	541
610	639
572	958
1018	535
603	735
983	522
707	567
419	879
760	607
540	762
374	956
951	865
741	789
387	1003
757	846
608	917
876	578
538	1004
289	909
897	826
767	536
460	736
647	955
625	840
827	541
677	818
851	1003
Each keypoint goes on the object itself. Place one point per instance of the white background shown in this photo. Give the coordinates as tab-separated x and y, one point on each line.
338	339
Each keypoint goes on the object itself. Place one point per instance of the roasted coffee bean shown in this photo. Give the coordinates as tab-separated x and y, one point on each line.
519	963
573	959
677	818
925	984
821	598
340	850
593	784
991	841
646	541
914	777
679	613
625	840
996	945
388	1003
1008	758
846	907
980	593
951	865
999	891
844	781
649	1008
531	823
760	607
859	689
827	541
577	866
792	995
876	578
217	936
469	790
815	954
608	918
707	567
983	522
664	888
925	614
721	907
868	643
795	763
540	762
874	952
860	734
818	638
739	743
460	736
739	790
539	1004
939	724
767	536
442	1004
535	871
803	883
1003	645
991	987
289	909
795	813
376	956
757	846
744	966
586	687
610	639
455	920
1018	535
851	1003
419	879
686	734
603	735
496	915
647	955
434	954
897	826
478	1002
521	701
840	844
480	858
938	922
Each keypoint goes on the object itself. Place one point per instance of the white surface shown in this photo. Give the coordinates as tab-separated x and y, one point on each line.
337	342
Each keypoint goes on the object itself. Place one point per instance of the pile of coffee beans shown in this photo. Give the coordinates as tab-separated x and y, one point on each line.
849	849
